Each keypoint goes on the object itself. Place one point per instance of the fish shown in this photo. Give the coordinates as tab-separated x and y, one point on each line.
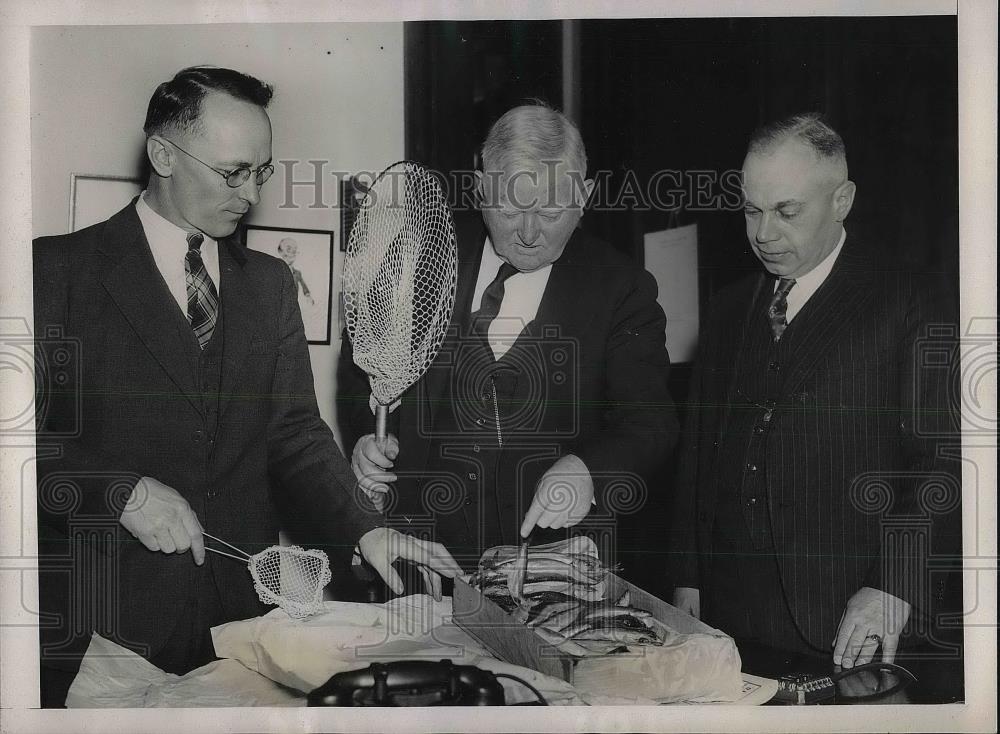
603	612
555	616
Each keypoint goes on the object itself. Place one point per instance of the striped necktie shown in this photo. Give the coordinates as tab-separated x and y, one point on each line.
779	307
203	299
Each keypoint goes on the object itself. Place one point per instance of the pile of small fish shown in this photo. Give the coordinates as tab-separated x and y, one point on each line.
563	594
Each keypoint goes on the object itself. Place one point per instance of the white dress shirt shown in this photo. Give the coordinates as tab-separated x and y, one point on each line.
168	243
522	295
806	285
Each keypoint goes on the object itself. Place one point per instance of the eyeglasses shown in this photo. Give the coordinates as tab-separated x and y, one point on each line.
238	176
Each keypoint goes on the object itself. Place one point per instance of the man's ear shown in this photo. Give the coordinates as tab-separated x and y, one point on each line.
161	156
843	200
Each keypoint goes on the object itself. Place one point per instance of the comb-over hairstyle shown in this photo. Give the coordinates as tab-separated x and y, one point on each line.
176	104
808	127
530	134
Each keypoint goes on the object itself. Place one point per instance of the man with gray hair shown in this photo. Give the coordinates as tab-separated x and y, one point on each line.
548	403
813	481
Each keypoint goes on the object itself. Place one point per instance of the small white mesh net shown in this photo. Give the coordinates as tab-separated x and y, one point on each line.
399	278
291	578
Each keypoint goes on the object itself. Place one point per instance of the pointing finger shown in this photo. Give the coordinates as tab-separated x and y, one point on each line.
194	530
531	518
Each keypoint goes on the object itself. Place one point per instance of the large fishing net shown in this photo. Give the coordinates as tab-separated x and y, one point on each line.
399	279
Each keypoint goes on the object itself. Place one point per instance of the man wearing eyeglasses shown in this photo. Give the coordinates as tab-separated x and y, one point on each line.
190	406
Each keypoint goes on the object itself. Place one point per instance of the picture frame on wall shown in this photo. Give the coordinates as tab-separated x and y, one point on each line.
309	255
94	197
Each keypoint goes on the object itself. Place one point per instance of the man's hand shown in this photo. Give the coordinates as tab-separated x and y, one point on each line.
871	619
162	520
688	600
371	465
381	546
563	497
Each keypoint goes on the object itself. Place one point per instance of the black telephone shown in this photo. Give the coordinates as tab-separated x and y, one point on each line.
411	683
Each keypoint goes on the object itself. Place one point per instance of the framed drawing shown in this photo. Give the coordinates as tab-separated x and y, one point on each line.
94	197
309	255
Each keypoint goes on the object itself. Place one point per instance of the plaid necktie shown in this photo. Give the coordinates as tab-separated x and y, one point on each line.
779	307
489	306
203	299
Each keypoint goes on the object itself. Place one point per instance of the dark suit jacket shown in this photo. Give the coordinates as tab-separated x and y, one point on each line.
119	399
861	453
589	377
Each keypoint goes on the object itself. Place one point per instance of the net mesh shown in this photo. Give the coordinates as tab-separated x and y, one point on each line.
291	578
399	278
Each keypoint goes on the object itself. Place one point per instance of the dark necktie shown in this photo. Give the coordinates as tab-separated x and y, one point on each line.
489	306
203	299
779	307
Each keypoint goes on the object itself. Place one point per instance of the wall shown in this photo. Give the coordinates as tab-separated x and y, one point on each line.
338	98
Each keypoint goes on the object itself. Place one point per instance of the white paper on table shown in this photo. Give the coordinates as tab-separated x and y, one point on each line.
672	259
112	676
304	654
755	691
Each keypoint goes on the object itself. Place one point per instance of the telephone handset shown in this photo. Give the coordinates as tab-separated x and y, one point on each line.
411	683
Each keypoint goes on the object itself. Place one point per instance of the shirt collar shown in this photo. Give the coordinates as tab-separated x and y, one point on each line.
158	228
812	280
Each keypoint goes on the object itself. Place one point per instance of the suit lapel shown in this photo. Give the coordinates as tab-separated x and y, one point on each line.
470	234
240	312
560	290
134	283
829	316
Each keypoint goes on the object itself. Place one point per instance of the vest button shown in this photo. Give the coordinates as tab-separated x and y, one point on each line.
473	476
773	366
476	448
480	421
198	436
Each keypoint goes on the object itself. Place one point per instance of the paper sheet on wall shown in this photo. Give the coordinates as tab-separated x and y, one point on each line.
672	258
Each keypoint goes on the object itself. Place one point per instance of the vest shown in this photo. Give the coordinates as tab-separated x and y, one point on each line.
743	515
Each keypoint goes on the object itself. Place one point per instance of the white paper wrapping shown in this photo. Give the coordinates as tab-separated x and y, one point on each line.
305	654
710	665
112	676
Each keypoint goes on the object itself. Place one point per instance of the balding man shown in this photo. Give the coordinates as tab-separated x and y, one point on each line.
548	404
806	503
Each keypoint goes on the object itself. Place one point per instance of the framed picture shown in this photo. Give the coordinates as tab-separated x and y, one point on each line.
309	255
94	197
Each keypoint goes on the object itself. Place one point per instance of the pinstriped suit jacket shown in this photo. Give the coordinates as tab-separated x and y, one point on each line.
862	469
